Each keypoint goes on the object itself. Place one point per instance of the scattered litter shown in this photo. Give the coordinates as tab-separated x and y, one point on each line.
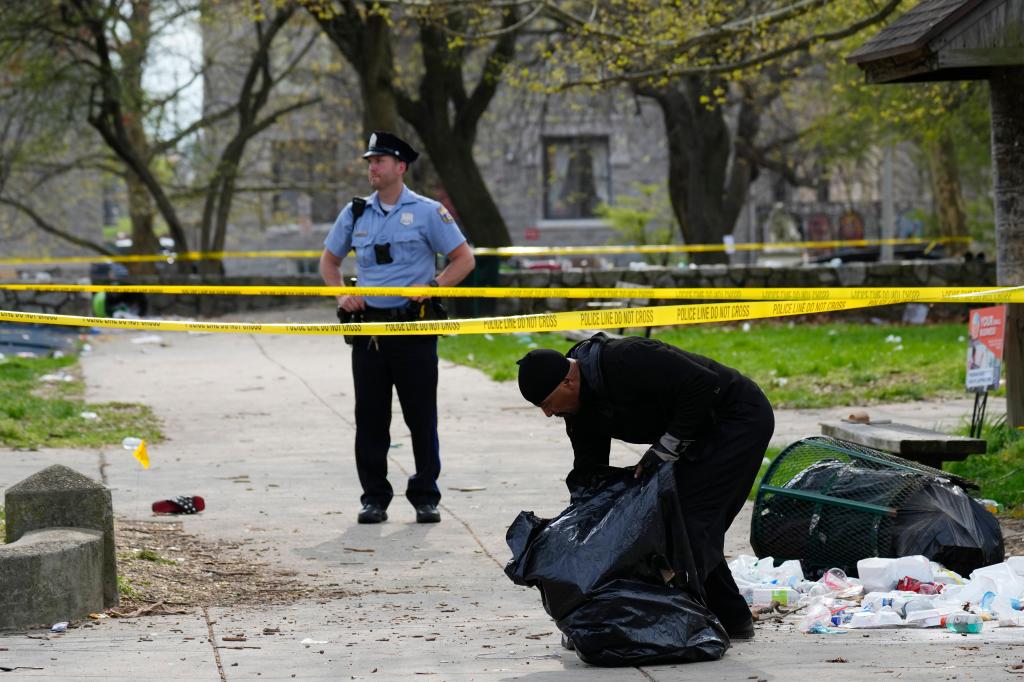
183	504
59	627
97	616
235	638
357	549
488	337
309	641
58	354
468	488
148	339
57	377
892	338
745	327
138	448
89	415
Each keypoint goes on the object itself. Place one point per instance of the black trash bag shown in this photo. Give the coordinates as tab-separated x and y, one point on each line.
617	526
945	524
630	622
598	568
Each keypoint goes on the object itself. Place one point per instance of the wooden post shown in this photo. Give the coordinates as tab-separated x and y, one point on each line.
1007	103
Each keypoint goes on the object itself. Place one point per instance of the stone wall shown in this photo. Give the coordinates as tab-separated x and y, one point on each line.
898	274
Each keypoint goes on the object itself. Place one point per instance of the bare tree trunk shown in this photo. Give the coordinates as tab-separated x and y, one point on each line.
140	202
379	109
949	198
445	115
1007	104
709	169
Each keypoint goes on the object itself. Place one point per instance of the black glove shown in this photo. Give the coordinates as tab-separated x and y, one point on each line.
655	456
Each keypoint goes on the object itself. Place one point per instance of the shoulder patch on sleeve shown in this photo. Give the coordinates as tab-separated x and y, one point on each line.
446	217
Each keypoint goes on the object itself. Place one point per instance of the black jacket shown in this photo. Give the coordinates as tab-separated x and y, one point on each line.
636	390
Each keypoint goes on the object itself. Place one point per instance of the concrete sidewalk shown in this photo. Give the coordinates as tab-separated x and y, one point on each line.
261	426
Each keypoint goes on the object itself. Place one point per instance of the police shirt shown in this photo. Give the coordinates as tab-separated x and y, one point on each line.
417	229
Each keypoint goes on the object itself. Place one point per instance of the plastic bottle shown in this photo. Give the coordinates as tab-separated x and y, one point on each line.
964	623
999	604
131	442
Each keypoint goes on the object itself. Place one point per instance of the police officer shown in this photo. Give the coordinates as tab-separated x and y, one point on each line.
396	235
709	420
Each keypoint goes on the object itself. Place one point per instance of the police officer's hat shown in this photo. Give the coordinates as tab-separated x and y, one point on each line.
386	144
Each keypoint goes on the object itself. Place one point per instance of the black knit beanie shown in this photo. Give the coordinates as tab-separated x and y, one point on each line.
540	372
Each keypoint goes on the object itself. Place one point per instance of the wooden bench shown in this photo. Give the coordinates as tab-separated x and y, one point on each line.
910	442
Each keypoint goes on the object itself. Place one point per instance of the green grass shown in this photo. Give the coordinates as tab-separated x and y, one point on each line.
152	555
1000	473
496	355
36	414
126	589
797	366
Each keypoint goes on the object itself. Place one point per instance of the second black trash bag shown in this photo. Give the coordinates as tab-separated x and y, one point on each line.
598	566
629	622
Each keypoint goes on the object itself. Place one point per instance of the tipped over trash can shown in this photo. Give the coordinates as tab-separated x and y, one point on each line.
829	503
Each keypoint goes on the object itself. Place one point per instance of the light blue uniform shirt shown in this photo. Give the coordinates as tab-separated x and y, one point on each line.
417	228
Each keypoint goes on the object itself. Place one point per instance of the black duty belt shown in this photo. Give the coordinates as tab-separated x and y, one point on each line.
399	314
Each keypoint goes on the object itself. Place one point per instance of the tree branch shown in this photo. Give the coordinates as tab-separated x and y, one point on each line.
48	227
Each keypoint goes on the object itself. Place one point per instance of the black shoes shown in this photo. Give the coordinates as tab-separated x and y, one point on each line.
372	513
427	513
744	631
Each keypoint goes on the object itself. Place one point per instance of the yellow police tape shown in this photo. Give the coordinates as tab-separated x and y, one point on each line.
546	322
990	294
506	251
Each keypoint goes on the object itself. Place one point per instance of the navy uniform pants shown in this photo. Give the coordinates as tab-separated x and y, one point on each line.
714	487
409	364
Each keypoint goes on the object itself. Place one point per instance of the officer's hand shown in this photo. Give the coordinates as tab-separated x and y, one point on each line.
351	303
419	299
652	459
344	316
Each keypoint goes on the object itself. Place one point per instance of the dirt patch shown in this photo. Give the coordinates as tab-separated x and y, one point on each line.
1013	535
159	562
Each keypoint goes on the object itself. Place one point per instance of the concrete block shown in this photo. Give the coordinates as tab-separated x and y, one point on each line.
49	576
59	497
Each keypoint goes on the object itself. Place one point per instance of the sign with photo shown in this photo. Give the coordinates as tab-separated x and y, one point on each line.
986	330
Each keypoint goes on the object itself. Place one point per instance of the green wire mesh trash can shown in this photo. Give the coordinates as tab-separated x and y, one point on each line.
829	503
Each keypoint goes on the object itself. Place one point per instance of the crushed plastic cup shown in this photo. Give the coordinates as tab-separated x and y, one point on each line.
131	442
89	415
59	627
817	614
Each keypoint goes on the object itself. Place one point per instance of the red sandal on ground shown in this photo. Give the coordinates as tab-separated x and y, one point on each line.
183	504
